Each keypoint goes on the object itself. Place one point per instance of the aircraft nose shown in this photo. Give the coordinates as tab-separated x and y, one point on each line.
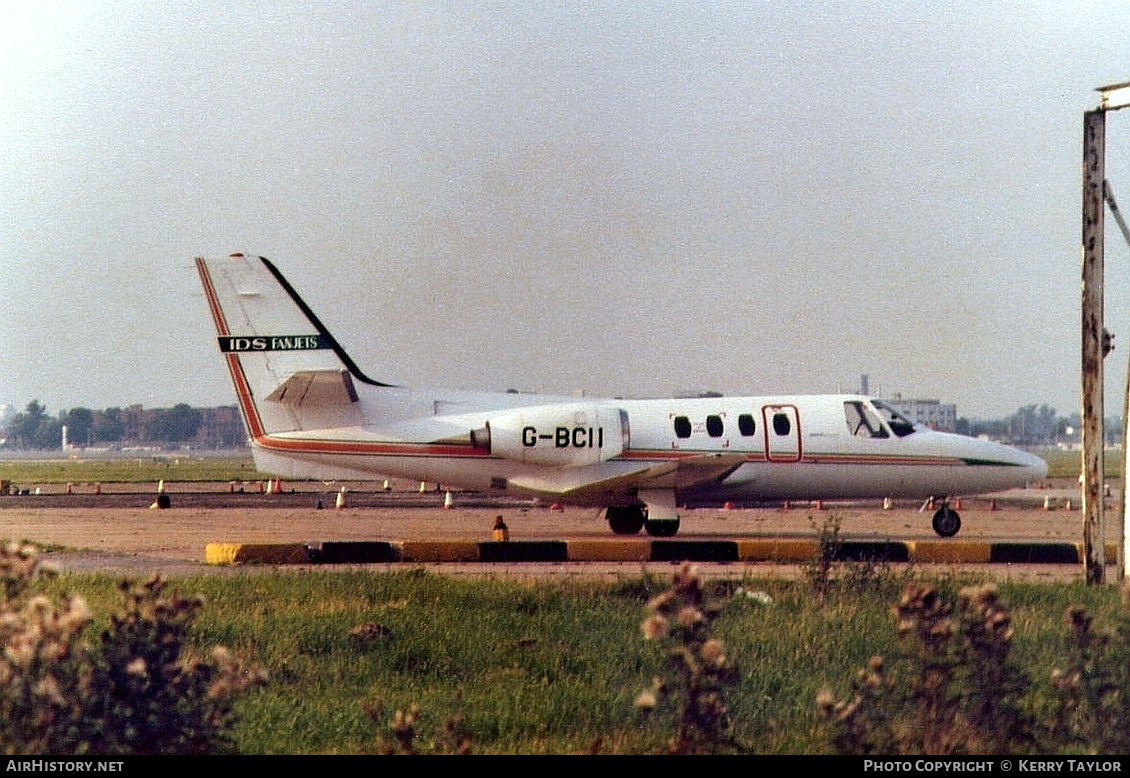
1034	467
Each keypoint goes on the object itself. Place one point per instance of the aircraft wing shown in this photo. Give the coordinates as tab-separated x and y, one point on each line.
594	481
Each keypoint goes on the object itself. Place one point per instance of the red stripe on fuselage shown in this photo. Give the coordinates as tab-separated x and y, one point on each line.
366	448
807	459
449	451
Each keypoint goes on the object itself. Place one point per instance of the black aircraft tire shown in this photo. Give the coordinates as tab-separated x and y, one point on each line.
662	528
946	522
625	520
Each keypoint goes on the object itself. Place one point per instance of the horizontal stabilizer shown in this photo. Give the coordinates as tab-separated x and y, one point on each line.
317	388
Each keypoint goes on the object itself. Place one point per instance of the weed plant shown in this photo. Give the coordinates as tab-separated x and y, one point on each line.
699	673
136	690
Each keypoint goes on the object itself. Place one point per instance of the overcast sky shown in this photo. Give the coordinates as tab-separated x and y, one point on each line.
624	198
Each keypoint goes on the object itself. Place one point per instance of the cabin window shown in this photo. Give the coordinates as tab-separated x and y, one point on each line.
781	424
682	427
746	425
714	425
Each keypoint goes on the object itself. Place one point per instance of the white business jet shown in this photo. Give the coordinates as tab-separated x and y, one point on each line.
312	413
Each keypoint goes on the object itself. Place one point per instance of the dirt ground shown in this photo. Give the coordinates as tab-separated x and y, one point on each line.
120	530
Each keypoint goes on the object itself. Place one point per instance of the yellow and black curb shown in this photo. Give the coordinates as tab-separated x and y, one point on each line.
640	550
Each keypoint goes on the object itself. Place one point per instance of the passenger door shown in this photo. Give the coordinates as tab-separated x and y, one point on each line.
782	432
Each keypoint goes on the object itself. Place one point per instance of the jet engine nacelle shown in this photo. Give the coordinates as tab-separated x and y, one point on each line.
565	435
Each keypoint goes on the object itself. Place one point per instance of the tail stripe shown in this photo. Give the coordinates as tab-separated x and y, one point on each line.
326	336
242	390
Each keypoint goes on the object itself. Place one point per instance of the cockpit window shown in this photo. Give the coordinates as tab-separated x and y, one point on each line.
899	424
862	422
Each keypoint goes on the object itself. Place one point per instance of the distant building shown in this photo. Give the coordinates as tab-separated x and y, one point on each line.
221	428
932	413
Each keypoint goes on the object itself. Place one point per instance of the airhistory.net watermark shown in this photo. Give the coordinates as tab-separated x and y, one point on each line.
62	766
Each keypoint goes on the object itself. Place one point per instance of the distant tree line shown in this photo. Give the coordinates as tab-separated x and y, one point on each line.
1038	425
181	425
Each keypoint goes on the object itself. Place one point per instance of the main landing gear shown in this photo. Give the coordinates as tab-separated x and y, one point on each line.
946	522
630	519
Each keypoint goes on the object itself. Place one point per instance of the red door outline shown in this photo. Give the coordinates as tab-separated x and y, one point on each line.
782	432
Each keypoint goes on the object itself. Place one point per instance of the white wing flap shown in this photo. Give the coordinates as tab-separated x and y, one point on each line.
595	480
697	472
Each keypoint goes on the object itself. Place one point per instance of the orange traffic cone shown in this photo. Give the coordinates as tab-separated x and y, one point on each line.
500	532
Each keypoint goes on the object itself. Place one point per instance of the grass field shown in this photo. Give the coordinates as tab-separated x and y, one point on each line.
554	668
124	469
1069	464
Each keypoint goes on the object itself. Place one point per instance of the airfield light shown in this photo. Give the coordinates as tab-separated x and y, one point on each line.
1114	96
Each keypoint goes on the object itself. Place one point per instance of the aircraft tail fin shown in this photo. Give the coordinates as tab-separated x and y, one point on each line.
289	372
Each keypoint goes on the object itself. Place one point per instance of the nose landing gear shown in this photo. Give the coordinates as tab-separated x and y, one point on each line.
946	521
